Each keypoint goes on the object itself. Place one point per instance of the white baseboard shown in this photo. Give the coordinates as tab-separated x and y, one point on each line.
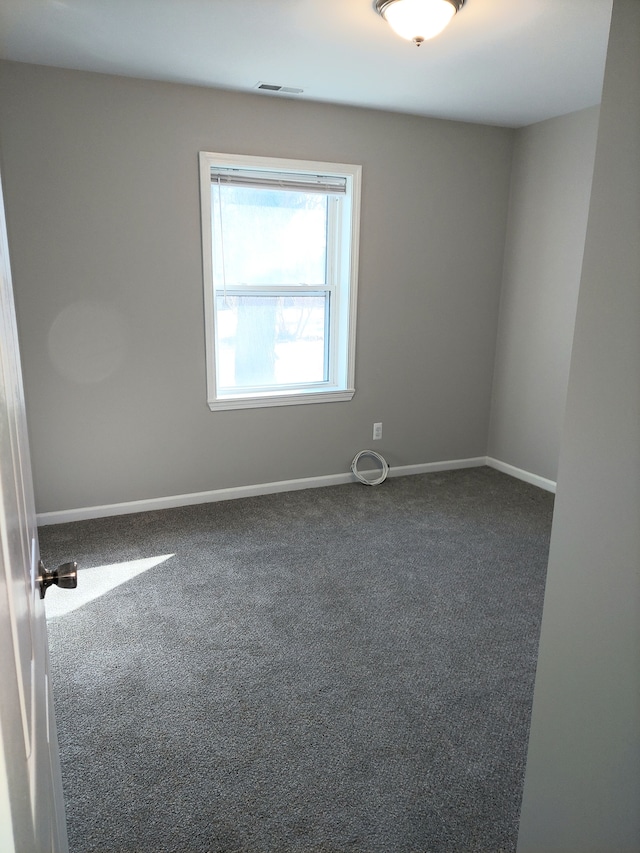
431	467
527	476
84	513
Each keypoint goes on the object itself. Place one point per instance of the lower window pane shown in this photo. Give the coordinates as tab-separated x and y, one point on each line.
264	341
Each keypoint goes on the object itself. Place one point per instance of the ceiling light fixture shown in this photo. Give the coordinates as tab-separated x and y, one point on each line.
418	20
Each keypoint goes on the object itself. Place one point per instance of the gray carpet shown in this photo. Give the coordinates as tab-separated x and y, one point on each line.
338	670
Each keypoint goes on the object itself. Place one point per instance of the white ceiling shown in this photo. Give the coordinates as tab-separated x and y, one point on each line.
505	62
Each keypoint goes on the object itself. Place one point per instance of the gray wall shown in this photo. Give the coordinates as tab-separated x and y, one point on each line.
582	788
550	190
101	192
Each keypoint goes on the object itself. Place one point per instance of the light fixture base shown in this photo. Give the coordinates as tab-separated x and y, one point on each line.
381	5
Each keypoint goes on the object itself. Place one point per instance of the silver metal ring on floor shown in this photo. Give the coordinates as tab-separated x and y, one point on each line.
373	455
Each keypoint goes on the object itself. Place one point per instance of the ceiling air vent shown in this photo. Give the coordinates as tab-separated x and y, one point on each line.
275	87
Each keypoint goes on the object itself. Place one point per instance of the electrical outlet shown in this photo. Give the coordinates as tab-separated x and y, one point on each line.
377	431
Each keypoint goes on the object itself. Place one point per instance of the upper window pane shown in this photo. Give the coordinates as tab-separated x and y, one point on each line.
268	237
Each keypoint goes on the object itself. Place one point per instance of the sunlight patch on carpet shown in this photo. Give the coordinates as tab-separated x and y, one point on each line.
96	582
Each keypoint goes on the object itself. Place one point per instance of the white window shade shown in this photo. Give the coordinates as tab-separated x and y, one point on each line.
264	179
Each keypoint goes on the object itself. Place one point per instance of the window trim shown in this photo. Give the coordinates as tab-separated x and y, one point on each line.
342	358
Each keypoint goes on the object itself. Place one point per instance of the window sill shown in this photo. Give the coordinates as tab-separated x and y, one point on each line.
267	401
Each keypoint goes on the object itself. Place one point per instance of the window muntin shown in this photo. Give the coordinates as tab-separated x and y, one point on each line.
280	242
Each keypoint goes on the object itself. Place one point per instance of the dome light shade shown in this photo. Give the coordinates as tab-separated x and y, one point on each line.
418	20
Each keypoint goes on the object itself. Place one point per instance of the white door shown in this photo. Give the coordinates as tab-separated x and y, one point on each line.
31	804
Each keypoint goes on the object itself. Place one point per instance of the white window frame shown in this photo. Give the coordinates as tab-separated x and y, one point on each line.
342	251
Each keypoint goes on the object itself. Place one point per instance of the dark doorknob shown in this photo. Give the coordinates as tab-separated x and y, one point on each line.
65	576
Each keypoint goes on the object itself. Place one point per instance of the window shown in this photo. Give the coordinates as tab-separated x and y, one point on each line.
280	259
